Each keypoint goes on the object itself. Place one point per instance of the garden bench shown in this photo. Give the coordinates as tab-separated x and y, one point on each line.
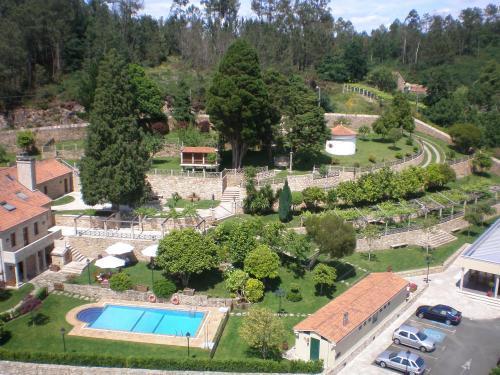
454	230
396	245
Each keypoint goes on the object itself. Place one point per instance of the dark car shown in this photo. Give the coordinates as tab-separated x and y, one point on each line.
440	313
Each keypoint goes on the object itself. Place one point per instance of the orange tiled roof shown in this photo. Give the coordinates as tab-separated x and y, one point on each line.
341	130
200	150
361	301
45	170
31	206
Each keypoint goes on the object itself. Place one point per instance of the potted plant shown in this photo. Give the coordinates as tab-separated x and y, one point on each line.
489	293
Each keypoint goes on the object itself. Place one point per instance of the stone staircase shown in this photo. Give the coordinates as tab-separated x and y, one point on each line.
231	194
78	262
437	238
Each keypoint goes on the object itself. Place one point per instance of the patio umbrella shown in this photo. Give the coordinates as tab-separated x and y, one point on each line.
150	251
119	248
109	262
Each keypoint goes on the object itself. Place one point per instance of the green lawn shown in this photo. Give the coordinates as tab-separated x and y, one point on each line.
166	163
89	211
201	204
269	218
11	297
412	257
70	144
63	200
231	346
140	273
350	102
46	336
374	145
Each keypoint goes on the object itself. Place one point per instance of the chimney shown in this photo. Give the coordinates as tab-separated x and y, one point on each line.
26	171
346	318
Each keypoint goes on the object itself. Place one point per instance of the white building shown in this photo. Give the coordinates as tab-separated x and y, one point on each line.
343	141
333	330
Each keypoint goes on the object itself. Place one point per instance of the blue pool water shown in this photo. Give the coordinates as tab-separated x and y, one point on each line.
144	320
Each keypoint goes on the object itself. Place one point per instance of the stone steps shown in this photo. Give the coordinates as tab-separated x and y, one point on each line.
231	194
74	268
76	255
438	238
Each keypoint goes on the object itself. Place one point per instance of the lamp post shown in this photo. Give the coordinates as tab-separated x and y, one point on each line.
63	331
88	269
152	272
279	293
319	95
188	335
428	261
408	353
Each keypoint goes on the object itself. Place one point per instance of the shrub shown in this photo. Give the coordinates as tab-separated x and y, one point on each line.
294	294
120	282
372	159
409	142
408	154
323	171
415	149
5	316
450	154
254	290
356	165
25	140
41	293
398	155
335	161
164	288
466	137
161	363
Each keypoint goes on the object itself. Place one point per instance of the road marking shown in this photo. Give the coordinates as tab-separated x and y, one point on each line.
452	331
434	334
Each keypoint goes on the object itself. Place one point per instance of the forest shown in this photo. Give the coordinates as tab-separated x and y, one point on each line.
58	41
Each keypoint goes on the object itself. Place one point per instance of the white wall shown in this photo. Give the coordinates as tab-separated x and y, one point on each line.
341	146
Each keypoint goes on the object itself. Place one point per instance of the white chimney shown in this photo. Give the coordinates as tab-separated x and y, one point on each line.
26	174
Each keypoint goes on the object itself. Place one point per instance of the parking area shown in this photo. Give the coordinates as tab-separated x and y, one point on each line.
469	348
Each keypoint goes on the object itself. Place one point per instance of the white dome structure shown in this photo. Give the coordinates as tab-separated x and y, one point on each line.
343	141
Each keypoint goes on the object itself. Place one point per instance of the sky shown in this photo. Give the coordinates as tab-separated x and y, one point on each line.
364	14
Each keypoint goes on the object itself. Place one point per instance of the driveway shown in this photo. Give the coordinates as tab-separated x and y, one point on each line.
474	347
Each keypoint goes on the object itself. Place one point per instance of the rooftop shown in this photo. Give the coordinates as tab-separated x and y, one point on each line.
21	204
45	170
361	301
200	150
341	130
486	248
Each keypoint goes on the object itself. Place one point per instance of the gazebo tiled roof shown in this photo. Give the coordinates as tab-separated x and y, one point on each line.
200	150
341	130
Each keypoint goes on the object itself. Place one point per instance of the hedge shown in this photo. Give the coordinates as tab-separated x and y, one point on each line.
154	363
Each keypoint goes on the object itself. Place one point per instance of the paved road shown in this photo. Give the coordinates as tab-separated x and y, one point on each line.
479	319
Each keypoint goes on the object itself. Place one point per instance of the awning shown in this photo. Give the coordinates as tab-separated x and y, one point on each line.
110	262
119	248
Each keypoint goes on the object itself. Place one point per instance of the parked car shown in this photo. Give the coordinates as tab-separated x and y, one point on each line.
411	336
407	362
440	313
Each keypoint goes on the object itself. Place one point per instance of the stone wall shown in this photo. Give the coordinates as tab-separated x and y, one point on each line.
385	242
462	168
45	134
432	131
496	166
166	185
300	182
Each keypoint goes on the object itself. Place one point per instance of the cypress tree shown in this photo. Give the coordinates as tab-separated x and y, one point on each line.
114	166
285	204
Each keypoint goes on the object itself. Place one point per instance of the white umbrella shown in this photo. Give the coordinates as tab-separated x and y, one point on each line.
110	262
119	248
150	251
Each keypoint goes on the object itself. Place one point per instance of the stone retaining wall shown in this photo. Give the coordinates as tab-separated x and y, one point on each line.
166	185
300	182
23	368
45	134
462	168
495	168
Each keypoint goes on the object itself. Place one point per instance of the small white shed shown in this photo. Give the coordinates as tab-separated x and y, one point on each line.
342	142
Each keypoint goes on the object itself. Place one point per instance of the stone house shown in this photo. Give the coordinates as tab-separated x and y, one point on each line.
26	238
334	329
49	176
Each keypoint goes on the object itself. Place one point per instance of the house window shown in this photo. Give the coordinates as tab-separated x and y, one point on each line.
13	239
35	228
26	239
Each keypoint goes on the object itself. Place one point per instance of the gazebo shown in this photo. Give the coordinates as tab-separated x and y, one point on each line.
342	142
199	157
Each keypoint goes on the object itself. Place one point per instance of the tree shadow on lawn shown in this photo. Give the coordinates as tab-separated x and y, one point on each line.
344	271
394	148
271	285
327	291
39	319
7	335
206	280
5	295
372	258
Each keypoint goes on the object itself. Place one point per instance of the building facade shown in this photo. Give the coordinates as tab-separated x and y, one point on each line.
26	220
333	330
342	142
199	158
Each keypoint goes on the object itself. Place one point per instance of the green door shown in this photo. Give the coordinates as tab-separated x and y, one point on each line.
314	352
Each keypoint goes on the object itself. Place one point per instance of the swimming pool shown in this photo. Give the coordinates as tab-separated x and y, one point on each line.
143	320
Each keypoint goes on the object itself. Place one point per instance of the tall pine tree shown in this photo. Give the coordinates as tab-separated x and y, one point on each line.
285	204
238	101
113	168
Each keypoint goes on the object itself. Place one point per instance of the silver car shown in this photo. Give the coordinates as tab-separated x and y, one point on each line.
407	362
411	336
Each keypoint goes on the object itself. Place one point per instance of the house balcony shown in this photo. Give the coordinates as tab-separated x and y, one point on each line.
14	257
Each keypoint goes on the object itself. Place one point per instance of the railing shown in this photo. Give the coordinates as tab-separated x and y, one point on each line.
113	233
30	249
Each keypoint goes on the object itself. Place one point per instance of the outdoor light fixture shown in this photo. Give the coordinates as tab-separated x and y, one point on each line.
88	269
63	331
188	335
